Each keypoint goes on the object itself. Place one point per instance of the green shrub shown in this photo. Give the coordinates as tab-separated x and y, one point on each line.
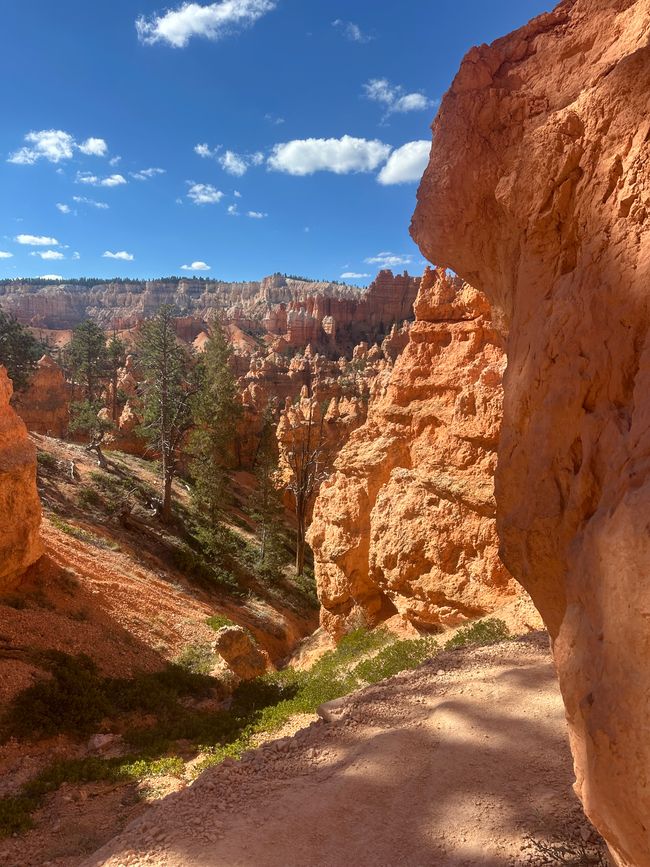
197	658
89	498
46	460
218	621
484	632
395	658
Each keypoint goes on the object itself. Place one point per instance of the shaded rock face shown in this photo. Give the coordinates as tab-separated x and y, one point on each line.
45	405
407	521
20	506
538	192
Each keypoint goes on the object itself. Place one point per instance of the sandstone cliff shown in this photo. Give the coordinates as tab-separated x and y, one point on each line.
45	405
538	192
20	506
406	523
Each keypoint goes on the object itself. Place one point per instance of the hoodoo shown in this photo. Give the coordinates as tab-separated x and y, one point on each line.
20	544
407	522
538	192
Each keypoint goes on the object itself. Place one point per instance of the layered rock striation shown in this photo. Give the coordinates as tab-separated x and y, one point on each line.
407	521
45	405
538	192
20	506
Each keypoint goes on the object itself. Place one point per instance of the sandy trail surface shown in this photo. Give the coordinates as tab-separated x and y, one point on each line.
455	763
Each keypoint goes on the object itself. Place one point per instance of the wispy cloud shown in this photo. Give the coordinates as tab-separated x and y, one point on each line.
353	275
204	194
176	27
256	215
65	209
389	260
352	31
82	200
5	255
147	174
341	156
55	146
236	164
36	241
121	254
53	277
394	98
95	181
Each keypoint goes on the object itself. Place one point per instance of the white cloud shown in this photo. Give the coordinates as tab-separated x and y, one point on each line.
48	254
76	256
5	255
203	150
65	209
234	164
232	210
352	31
114	161
95	181
177	26
82	200
256	215
274	119
389	260
394	98
50	277
352	275
146	174
55	145
95	147
406	164
122	254
196	266
204	194
341	156
36	241
237	194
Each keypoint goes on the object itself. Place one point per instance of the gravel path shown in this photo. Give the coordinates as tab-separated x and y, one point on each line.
455	763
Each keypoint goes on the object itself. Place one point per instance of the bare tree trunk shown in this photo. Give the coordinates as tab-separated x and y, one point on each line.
168	478
300	544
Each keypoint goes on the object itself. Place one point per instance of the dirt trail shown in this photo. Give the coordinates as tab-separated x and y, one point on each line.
452	764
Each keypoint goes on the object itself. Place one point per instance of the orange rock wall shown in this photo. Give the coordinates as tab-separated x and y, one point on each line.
45	405
407	521
20	507
538	192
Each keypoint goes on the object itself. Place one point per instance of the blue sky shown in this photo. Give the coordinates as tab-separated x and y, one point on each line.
250	136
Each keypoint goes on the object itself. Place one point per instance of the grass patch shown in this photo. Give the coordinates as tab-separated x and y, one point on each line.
197	658
482	633
395	658
81	534
218	621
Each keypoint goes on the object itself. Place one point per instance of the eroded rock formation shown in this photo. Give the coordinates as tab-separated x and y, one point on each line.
20	506
407	521
45	405
538	193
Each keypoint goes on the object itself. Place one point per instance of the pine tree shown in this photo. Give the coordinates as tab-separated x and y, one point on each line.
19	351
266	506
87	359
215	411
167	392
115	358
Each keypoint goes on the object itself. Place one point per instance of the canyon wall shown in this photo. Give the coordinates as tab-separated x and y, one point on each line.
538	193
20	506
407	521
45	405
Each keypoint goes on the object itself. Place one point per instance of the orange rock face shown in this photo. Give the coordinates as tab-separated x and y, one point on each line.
538	192
45	406
20	506
407	521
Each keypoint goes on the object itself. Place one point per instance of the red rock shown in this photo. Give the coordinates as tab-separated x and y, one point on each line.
20	507
538	192
407	522
45	405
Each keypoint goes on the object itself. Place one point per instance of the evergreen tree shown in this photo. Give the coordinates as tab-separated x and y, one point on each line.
19	351
215	414
168	389
266	506
115	358
87	361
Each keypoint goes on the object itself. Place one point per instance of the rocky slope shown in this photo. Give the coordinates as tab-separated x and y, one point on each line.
538	193
456	763
407	522
20	506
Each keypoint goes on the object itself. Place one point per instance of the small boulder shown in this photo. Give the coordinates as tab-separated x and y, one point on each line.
236	646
